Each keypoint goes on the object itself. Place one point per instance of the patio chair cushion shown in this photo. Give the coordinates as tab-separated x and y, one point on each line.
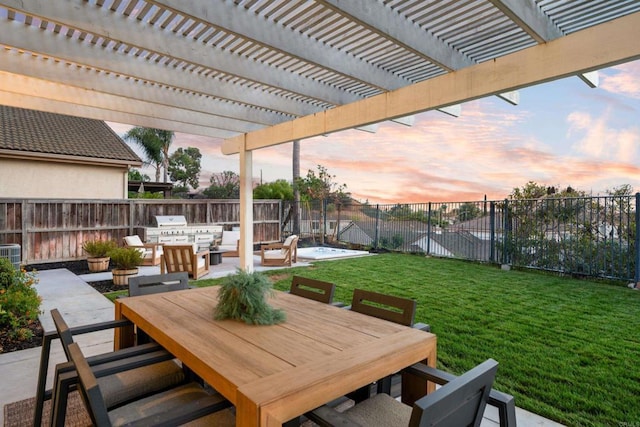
274	255
230	239
136	242
380	410
164	402
125	386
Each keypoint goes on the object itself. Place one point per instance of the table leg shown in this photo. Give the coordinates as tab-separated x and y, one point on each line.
413	388
122	337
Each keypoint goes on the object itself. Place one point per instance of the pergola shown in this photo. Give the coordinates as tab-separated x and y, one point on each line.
258	73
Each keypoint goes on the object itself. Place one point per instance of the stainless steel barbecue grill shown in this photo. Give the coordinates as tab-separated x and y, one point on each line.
174	229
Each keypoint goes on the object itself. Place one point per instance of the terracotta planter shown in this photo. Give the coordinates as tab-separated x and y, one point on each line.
98	264
121	277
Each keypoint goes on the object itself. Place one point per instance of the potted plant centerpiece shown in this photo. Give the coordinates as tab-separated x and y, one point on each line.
243	296
98	253
125	262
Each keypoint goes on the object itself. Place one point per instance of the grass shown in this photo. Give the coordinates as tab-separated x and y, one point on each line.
569	349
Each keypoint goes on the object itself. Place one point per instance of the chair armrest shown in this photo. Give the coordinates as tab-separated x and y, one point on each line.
504	402
132	362
146	245
271	246
94	327
202	253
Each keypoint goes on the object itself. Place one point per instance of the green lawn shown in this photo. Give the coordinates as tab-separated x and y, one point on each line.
568	349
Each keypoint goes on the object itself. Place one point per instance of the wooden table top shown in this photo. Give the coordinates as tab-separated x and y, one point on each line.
275	373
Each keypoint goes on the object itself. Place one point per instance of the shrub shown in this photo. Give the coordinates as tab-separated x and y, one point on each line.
126	258
98	248
19	300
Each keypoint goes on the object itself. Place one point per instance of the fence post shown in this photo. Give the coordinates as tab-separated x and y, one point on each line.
505	232
637	241
492	227
429	230
375	239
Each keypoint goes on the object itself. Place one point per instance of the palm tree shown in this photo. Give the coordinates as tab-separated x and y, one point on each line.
155	144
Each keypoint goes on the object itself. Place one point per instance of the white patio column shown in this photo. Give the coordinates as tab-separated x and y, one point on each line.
246	209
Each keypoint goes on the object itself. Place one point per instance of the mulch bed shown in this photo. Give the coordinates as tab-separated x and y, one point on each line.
9	344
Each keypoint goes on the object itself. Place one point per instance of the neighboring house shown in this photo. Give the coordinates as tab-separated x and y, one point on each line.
46	155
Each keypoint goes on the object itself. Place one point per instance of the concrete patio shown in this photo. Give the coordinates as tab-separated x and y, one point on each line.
80	304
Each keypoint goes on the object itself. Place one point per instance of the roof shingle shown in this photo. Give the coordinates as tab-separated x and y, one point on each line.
30	132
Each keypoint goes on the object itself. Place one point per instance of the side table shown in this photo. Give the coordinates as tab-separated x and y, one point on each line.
215	257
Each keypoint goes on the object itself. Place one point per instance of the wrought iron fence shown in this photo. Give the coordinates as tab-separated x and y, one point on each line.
591	236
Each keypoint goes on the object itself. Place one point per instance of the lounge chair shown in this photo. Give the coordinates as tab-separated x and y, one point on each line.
151	252
178	258
280	254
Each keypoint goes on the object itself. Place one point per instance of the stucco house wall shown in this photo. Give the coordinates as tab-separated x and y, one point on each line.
40	179
46	155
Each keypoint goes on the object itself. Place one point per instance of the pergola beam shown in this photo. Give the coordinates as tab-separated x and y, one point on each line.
379	17
63	48
237	20
601	46
86	17
75	109
65	74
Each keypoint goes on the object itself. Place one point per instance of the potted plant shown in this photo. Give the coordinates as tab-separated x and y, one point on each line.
98	253
125	262
243	296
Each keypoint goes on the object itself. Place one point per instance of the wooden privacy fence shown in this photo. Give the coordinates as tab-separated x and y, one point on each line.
54	230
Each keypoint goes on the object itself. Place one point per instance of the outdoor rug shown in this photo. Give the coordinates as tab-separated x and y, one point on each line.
20	414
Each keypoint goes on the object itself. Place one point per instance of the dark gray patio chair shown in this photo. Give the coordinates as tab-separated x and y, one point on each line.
153	284
388	307
172	407
314	289
140	351
460	402
122	375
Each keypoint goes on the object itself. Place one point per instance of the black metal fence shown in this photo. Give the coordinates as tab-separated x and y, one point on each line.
590	236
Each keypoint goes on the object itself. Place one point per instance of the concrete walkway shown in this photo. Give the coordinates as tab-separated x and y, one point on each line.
80	304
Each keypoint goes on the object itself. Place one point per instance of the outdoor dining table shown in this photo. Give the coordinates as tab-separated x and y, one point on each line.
273	374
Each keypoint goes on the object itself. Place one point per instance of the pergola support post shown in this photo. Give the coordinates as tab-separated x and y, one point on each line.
246	210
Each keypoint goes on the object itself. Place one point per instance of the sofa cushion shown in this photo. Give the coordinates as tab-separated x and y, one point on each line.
133	241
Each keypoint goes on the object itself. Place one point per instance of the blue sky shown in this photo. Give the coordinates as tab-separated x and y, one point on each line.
561	133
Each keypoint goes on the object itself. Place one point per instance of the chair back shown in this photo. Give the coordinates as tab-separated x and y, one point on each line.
290	247
89	389
145	285
382	306
64	332
460	402
132	240
313	289
179	258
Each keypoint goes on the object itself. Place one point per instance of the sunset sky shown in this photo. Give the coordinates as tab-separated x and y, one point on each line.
561	133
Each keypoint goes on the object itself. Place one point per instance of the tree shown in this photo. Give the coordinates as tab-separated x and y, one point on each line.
296	190
468	211
136	175
184	166
530	190
279	189
225	185
322	188
155	144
